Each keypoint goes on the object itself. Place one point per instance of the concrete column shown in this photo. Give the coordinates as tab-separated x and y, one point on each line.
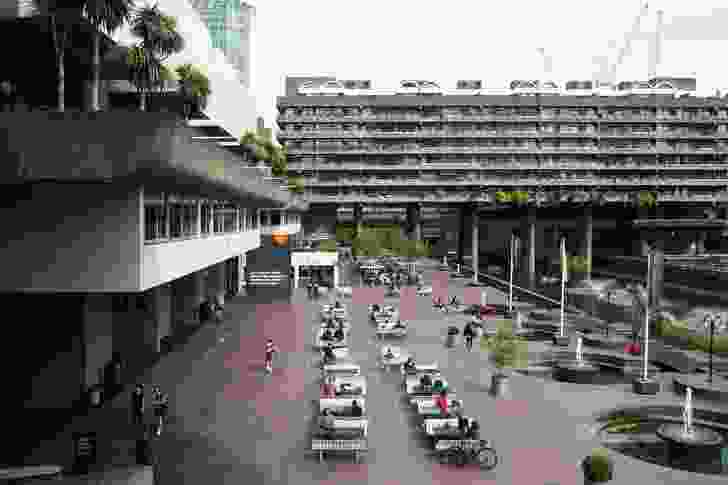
476	247
414	222
216	282
700	243
336	276
162	308
358	217
528	235
585	241
198	223
242	259
296	275
644	244
657	278
98	328
461	233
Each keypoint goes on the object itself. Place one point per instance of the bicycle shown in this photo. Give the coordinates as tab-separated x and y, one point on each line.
461	452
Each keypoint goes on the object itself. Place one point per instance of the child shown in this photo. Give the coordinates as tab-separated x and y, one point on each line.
270	349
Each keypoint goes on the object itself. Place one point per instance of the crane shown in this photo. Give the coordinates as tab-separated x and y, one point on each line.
628	38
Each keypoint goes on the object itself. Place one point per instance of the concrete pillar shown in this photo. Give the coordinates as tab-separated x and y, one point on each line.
414	222
657	278
336	276
216	282
528	236
135	331
700	242
242	259
476	247
358	217
296	275
586	239
463	213
98	328
162	308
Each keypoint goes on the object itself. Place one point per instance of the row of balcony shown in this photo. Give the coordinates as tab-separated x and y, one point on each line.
720	149
507	166
315	134
542	197
571	180
516	116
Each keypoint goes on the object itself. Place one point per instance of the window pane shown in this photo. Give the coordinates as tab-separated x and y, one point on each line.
275	218
206	214
154	222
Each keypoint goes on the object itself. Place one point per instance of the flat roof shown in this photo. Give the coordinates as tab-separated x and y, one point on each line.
498	100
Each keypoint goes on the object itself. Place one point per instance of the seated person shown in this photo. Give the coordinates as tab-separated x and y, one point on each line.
439	386
337	304
443	403
339	334
327	420
375	308
473	430
426	382
389	354
327	335
356	410
463	425
329	354
410	364
328	389
400	324
330	323
454	300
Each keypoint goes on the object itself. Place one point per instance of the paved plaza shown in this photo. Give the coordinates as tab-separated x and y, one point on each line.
230	423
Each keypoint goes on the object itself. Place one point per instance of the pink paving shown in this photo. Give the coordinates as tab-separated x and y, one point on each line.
471	296
440	283
450	475
511	408
368	296
348	472
544	465
408	303
285	324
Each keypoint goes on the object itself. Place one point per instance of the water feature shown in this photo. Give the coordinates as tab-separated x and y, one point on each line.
688	413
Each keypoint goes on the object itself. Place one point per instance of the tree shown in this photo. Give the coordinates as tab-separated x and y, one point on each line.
194	85
106	16
159	39
144	72
63	16
265	150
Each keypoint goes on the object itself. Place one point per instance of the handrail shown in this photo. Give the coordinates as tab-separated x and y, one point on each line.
515	287
29	472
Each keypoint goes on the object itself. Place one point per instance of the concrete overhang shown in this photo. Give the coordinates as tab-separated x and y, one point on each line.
681	224
154	150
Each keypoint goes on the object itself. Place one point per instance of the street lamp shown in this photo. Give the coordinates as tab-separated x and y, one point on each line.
711	321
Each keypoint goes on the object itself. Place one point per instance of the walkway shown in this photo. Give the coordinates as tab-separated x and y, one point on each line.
230	423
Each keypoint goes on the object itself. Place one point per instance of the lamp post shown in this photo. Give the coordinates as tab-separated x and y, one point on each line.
510	280
710	322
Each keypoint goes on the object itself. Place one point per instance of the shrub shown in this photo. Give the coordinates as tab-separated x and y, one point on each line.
507	350
327	246
623	424
647	200
599	465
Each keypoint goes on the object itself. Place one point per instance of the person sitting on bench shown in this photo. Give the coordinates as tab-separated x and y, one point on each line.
327	335
337	304
330	323
329	387
439	386
389	354
375	308
329	354
399	324
454	301
443	403
473	431
426	382
410	364
356	410
327	421
339	334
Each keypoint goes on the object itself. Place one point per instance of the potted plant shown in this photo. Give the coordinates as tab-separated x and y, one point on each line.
507	351
598	467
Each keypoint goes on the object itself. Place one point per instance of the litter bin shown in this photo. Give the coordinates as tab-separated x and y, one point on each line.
84	452
452	333
95	395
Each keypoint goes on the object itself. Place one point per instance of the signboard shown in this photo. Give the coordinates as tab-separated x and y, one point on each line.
269	266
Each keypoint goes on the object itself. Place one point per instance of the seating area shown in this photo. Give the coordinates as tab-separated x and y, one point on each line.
341	423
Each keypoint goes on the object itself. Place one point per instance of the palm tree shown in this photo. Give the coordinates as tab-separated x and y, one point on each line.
159	39
144	72
62	16
106	15
194	85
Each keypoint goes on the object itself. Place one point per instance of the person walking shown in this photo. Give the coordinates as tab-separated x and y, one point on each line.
137	404
159	404
270	349
469	333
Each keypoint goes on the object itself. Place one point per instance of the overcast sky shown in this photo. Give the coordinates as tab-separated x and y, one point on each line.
390	40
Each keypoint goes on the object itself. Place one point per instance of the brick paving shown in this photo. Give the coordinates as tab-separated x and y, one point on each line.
230	423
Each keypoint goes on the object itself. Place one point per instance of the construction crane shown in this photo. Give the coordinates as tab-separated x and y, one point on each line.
627	47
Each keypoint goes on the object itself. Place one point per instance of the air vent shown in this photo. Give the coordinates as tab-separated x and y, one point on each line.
468	84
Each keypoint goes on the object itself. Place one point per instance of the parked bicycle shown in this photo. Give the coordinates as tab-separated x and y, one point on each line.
461	452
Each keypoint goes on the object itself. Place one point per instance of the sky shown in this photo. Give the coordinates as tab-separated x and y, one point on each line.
386	41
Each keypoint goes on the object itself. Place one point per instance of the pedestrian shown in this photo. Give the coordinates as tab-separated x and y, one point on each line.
469	333
137	404
159	406
270	349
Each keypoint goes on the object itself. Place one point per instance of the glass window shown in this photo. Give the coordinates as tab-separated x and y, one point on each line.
183	217
242	214
155	219
250	219
224	218
275	218
206	217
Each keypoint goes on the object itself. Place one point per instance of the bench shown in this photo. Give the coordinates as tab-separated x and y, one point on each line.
432	424
425	398
446	444
29	472
356	447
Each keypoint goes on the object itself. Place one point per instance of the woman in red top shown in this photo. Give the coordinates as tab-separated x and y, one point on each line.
328	389
442	403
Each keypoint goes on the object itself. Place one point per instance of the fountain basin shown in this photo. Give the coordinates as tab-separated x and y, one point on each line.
700	437
716	390
578	372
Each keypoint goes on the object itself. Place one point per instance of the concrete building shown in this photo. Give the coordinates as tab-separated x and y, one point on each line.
582	154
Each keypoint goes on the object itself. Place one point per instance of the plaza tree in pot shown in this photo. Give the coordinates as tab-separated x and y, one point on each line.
507	352
194	86
598	467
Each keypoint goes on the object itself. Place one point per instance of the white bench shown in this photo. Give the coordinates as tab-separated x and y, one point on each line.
29	472
347	368
356	447
428	405
391	332
427	398
339	403
467	444
432	424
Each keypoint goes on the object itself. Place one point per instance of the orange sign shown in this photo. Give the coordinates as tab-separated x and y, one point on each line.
279	238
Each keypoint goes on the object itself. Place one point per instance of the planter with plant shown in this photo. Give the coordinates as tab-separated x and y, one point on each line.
507	352
598	467
195	88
